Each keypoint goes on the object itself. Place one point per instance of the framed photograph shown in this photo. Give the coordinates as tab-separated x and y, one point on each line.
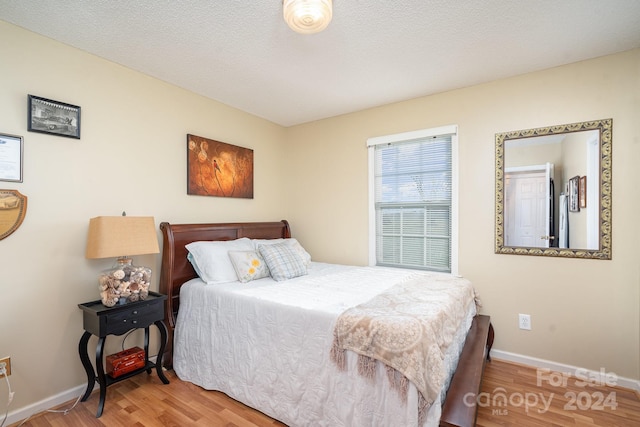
53	117
583	192
574	188
11	151
218	169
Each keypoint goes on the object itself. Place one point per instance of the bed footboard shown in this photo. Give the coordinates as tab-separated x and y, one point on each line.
460	408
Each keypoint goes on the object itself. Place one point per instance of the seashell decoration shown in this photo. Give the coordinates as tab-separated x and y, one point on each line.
123	284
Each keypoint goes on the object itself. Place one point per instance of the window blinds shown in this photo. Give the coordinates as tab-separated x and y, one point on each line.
412	191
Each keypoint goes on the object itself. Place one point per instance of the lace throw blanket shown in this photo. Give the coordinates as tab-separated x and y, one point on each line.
408	328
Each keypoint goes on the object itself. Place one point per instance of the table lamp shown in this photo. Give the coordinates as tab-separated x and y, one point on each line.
122	237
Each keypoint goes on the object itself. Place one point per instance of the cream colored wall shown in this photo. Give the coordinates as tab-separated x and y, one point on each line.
584	313
524	155
131	156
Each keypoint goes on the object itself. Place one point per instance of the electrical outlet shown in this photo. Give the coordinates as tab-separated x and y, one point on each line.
524	321
7	365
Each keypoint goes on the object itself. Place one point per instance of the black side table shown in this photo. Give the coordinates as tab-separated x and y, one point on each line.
101	321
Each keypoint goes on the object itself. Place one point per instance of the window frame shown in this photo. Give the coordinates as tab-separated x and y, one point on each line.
406	136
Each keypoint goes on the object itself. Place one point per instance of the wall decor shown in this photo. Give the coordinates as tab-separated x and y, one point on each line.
574	184
219	169
11	151
583	192
53	117
13	208
570	235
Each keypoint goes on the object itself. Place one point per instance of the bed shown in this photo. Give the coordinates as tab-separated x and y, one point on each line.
251	342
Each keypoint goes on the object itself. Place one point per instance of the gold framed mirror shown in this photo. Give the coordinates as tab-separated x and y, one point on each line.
553	191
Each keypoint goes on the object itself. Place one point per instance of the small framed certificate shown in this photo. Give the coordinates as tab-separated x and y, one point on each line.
11	149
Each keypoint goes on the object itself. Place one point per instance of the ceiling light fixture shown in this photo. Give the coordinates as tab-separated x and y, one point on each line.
307	16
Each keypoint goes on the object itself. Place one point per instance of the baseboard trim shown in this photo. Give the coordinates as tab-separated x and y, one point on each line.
45	404
50	402
560	367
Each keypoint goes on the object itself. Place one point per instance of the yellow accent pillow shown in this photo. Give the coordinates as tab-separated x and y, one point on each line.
249	265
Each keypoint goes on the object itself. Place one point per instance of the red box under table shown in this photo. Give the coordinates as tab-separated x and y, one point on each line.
125	361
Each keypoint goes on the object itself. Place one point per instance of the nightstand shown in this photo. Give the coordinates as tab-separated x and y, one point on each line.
101	321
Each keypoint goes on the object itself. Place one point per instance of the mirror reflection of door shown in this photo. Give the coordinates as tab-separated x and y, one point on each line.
581	150
529	206
572	154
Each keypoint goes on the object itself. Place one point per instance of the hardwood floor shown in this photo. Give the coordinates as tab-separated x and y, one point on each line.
143	401
542	398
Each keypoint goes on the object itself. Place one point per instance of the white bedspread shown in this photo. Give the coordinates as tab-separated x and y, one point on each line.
267	344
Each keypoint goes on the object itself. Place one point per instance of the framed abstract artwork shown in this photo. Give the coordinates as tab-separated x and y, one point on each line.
218	169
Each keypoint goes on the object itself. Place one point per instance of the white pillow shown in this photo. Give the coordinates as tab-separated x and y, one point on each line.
210	259
293	243
284	262
249	265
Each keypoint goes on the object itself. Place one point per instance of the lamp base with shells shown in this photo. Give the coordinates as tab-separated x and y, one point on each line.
124	283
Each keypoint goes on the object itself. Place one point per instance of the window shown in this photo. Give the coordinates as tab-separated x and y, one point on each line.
413	206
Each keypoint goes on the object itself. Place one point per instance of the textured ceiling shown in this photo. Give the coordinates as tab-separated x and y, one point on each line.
374	52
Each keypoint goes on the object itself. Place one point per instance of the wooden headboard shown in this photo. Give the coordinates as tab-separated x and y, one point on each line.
176	269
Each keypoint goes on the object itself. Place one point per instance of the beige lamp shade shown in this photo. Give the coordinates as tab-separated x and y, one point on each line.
118	236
